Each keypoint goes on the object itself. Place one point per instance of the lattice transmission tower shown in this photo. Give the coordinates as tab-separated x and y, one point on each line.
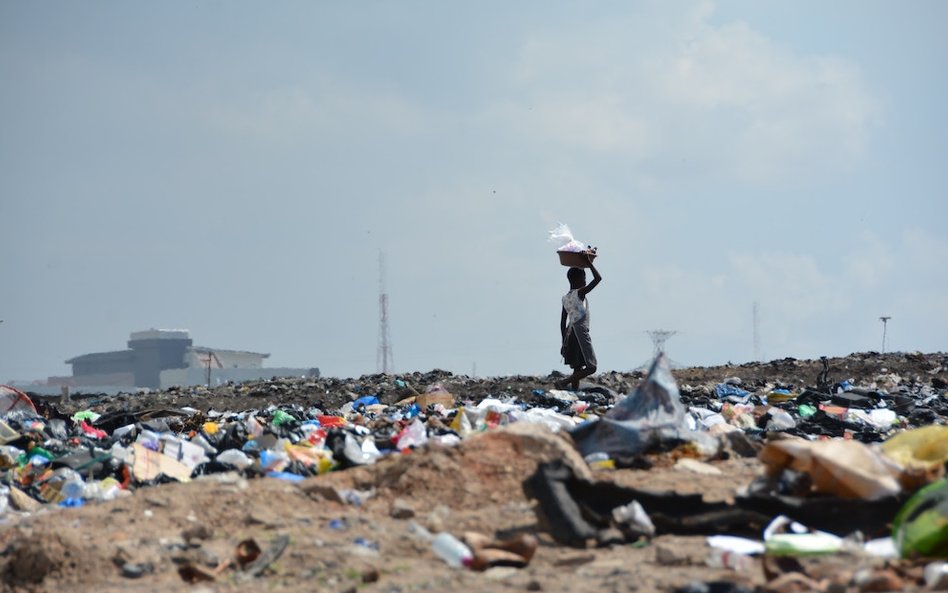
659	337
383	358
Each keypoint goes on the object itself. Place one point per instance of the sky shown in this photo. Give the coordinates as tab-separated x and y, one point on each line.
236	169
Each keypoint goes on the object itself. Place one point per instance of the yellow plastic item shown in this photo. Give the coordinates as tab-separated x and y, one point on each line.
461	423
307	455
604	464
779	398
924	448
211	428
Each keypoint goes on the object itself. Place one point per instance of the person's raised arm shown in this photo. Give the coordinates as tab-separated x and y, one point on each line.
595	281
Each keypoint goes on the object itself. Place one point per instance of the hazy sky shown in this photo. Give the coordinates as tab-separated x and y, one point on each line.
234	168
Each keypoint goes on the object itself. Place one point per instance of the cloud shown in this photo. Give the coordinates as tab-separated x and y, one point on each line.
662	86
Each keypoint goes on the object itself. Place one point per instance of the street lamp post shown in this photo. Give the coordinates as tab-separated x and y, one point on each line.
885	320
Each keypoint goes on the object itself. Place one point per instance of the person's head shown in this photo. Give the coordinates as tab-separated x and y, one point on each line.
576	277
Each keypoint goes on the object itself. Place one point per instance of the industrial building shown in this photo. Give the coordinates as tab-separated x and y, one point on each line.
162	358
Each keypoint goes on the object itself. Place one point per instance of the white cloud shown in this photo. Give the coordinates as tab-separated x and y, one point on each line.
662	86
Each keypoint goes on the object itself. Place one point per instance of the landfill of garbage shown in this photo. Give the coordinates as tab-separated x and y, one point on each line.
818	475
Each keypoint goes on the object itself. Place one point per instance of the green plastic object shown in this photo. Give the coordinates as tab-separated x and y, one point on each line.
281	417
806	411
921	525
87	415
803	544
24	458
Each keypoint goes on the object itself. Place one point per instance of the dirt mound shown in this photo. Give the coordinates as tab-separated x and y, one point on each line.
34	555
486	467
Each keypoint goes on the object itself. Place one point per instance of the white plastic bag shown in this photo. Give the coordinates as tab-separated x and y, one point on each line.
563	237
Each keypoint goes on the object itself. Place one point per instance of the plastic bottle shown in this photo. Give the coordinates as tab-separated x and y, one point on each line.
73	488
451	550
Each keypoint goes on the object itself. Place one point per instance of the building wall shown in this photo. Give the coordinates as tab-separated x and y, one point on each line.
225	359
104	363
114	379
154	355
162	358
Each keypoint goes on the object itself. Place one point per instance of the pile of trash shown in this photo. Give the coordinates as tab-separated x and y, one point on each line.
845	466
51	458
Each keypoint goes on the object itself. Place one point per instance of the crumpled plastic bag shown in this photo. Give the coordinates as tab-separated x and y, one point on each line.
848	469
925	447
563	237
651	417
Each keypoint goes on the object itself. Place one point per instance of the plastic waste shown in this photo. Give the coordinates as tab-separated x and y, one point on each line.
780	395
73	488
784	537
413	435
546	417
188	453
737	545
366	543
367	400
921	526
720	558
632	517
936	576
780	420
731	393
106	489
740	415
806	410
236	458
848	469
280	418
87	415
150	440
254	427
413	410
650	416
331	421
14	400
881	419
925	447
452	550
273	461
563	238
360	454
287	476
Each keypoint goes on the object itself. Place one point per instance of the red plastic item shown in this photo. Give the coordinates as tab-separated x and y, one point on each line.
317	437
331	421
92	432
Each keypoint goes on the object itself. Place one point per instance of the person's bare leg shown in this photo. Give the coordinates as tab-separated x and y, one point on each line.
573	380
